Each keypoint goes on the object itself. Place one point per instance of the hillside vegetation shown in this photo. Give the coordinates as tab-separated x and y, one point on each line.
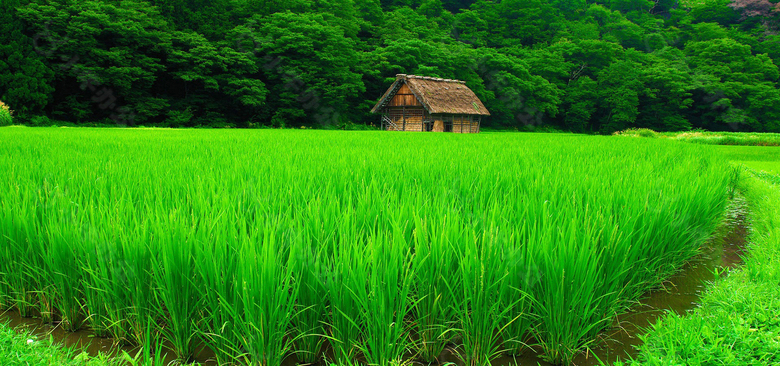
586	66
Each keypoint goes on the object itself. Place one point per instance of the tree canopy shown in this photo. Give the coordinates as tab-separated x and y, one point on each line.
579	65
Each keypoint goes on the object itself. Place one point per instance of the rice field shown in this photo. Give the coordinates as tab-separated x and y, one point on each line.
367	248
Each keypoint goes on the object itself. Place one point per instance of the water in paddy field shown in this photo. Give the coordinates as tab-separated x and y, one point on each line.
679	294
84	340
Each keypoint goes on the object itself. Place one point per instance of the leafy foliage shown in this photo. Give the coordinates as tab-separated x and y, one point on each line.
572	64
6	117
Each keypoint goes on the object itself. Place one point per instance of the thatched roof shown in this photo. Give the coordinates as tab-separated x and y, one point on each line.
438	96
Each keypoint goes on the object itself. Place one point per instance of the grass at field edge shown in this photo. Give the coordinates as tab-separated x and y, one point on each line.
738	322
24	348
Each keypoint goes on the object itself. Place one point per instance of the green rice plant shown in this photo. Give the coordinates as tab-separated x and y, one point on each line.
141	287
435	269
95	298
175	274
385	338
108	285
266	298
346	287
482	296
310	267
11	210
523	278
151	352
216	265
45	295
569	291
63	259
229	237
22	256
118	281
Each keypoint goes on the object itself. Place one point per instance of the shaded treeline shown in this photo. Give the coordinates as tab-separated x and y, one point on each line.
591	66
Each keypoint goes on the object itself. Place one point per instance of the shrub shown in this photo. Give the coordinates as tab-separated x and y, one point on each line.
6	115
40	121
637	132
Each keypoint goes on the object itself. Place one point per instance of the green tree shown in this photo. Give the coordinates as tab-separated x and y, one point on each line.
619	86
669	90
311	68
514	96
106	55
25	79
579	104
212	80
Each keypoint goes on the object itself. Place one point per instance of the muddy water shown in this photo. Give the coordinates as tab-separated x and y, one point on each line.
84	340
679	294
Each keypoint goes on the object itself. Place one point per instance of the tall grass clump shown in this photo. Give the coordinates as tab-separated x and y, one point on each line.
6	115
347	288
311	308
435	269
266	296
483	296
217	265
386	334
367	247
175	274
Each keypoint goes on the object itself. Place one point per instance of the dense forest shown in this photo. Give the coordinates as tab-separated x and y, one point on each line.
578	65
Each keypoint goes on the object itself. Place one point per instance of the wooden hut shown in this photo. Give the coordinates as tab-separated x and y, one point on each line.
421	103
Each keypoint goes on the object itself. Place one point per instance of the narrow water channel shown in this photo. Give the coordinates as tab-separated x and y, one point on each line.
679	294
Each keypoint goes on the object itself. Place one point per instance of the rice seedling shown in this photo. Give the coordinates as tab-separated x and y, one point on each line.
435	269
268	244
176	276
311	309
484	299
216	266
346	287
266	298
385	338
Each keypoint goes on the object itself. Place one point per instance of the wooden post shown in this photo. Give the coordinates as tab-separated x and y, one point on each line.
461	124
403	114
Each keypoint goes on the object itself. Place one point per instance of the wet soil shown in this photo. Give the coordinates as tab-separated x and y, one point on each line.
679	294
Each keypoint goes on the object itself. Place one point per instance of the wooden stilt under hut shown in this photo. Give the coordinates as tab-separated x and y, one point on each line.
421	103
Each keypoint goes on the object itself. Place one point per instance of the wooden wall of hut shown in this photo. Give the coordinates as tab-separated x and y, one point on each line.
404	97
406	119
459	124
414	119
